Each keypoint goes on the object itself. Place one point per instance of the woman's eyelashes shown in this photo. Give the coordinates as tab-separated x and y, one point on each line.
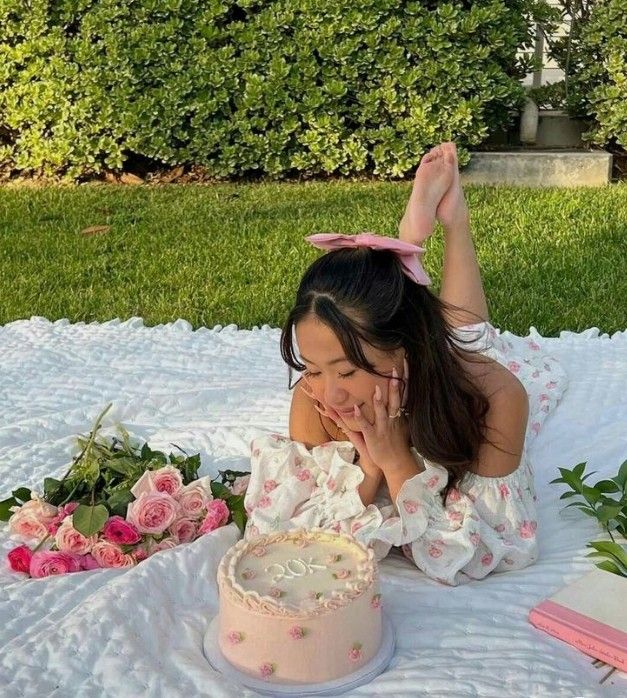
310	374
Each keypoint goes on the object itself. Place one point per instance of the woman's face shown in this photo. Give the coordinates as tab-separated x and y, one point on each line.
334	380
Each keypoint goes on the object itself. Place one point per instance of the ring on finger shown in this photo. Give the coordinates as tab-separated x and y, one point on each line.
401	412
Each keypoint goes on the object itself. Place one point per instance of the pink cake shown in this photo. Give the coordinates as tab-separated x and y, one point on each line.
299	606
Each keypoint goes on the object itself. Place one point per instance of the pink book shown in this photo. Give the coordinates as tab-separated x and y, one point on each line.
591	615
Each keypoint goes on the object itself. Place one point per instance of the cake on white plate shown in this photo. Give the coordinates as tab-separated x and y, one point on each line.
299	606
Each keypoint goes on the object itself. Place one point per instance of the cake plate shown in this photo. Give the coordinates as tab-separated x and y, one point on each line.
328	688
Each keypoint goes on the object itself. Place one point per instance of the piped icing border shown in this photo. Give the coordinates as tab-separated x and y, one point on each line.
365	575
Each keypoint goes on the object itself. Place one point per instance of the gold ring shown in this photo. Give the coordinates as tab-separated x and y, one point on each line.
401	411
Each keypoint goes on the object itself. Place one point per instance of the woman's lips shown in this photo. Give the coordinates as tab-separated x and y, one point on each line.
346	412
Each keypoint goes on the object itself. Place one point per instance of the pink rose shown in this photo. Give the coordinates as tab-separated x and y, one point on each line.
88	562
527	529
432	482
27	527
486	560
269	485
167	479
240	484
513	366
108	554
118	530
410	506
434	551
264	502
70	540
303	474
19	558
217	515
183	530
152	512
455	516
45	563
165	544
192	500
504	490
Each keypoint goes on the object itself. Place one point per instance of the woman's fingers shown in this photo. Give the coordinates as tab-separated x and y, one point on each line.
394	399
380	408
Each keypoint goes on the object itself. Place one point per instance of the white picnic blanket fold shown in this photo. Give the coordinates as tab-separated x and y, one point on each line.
139	632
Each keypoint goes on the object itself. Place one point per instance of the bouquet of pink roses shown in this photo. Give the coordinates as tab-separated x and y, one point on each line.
116	505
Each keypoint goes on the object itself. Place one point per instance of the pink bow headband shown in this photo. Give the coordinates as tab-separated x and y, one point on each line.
405	251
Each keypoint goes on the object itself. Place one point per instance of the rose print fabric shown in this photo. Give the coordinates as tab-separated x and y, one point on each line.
487	524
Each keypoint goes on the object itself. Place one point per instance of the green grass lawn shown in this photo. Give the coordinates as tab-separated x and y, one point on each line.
234	253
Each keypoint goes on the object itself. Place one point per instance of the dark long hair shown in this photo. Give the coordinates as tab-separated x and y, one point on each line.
363	294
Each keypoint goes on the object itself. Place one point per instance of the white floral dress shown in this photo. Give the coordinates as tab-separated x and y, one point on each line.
487	524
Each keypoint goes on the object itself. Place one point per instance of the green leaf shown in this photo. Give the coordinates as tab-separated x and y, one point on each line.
607	486
568	494
123	465
578	469
609	549
621	478
239	517
118	502
219	490
609	566
605	513
22	493
90	520
5	508
51	486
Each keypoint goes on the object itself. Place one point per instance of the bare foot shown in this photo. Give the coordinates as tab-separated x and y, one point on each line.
452	210
433	179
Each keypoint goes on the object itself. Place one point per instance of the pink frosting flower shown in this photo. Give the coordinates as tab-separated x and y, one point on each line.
527	529
342	574
304	474
118	530
333	558
486	559
192	500
275	592
152	512
267	669
217	515
270	485
297	632
19	558
108	554
259	550
411	505
69	540
375	601
240	484
235	637
46	563
183	530
248	574
355	652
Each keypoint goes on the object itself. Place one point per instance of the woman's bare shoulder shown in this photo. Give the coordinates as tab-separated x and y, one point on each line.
307	425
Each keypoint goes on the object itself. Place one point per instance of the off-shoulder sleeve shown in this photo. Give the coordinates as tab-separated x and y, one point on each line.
487	525
293	487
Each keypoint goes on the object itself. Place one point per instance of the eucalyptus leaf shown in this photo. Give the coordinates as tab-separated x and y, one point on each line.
89	520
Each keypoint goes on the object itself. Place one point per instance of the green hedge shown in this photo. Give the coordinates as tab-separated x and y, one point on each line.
245	87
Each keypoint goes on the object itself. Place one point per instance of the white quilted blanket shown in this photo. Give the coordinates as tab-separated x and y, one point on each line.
139	632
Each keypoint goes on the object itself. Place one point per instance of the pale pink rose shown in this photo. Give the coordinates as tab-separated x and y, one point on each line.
46	563
165	544
453	496
486	560
434	551
267	669
475	539
235	637
108	554
304	474
152	512
500	528
69	540
527	529
118	530
342	574
513	366
264	502
432	482
217	515
296	632
140	553
144	485
183	530
88	562
355	653
193	499
269	485
455	516
19	558
410	506
550	385
27	527
167	479
240	484
535	427
504	490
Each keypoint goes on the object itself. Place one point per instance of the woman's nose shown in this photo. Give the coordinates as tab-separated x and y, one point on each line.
334	394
